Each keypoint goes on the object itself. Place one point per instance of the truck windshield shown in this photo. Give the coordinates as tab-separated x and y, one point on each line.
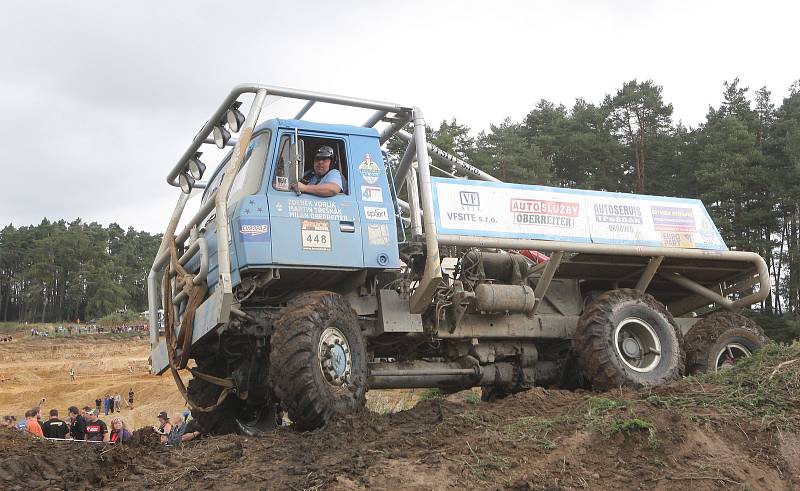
248	179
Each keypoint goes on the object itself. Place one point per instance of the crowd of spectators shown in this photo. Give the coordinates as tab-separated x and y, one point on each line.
85	425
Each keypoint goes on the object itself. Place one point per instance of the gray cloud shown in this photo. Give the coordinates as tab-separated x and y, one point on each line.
100	98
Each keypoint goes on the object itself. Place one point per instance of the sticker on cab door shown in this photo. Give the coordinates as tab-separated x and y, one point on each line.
376	213
369	169
316	235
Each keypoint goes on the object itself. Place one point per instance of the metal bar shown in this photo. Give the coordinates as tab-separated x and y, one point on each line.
163	256
409	373
373	120
668	252
153	300
304	110
448	174
310	96
221	205
391	130
442	156
432	275
544	282
688	304
405	165
699	289
229	143
413	202
648	273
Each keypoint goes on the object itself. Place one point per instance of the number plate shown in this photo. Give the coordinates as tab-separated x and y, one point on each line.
316	235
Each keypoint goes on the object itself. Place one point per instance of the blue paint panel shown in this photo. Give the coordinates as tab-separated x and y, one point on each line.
251	232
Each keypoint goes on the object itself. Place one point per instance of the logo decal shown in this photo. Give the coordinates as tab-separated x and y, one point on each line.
370	171
254	230
469	198
372	193
376	213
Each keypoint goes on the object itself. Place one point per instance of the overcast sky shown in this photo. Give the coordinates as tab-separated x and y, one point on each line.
98	99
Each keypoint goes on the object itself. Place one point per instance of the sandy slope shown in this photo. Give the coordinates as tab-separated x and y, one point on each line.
39	367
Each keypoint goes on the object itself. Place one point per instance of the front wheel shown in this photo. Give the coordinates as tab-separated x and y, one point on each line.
720	340
318	365
626	338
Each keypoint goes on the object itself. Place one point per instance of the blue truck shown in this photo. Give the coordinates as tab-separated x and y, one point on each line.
279	297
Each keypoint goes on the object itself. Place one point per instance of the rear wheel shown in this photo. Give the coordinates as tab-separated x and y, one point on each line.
720	340
318	365
627	338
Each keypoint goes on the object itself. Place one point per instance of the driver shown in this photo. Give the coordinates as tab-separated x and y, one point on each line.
323	181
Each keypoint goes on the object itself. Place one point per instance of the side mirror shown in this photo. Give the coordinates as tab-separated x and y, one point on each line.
293	163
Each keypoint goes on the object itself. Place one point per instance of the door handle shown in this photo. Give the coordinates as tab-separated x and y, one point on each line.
347	227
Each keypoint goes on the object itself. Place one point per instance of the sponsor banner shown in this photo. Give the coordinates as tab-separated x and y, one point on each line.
372	193
254	230
544	213
376	213
502	211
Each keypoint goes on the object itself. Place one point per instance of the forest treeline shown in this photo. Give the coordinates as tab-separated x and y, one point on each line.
58	271
743	162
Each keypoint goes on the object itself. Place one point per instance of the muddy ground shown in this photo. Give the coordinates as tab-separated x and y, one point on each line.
737	431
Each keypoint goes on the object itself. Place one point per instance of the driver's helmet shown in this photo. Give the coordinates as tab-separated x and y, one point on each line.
324	152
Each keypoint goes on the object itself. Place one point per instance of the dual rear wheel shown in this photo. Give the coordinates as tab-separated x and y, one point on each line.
626	338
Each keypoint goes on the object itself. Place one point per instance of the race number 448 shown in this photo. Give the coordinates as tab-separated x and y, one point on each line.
316	235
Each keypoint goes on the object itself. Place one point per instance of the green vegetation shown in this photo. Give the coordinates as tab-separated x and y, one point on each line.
764	386
430	394
632	425
59	271
472	398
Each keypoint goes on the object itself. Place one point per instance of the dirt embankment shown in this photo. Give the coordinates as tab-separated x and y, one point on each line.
735	431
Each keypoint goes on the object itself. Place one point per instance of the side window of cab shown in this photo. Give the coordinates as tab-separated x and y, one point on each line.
311	145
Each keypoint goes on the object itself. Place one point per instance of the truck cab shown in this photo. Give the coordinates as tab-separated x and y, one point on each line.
273	226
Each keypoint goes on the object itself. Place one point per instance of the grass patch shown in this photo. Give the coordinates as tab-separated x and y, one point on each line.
431	394
472	398
764	386
633	425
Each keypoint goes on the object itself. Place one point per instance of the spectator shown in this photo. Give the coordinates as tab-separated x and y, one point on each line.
119	432
117	401
106	405
32	424
96	429
174	436
9	422
54	427
72	373
191	430
130	398
164	426
97	403
77	427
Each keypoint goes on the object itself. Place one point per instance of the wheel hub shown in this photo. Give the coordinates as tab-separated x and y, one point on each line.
631	348
335	360
637	344
729	355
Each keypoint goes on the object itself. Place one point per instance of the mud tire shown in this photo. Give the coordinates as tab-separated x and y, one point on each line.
710	335
295	372
602	363
230	416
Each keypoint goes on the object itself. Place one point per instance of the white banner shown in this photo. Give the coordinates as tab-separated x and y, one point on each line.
503	210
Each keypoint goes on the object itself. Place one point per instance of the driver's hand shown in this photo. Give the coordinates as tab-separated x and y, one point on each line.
300	187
